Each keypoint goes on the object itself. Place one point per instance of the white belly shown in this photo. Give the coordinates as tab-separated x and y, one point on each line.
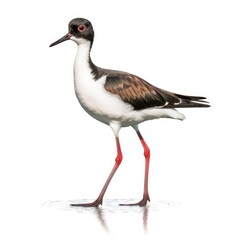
99	103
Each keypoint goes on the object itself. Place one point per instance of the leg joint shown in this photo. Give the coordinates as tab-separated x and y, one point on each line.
146	152
118	159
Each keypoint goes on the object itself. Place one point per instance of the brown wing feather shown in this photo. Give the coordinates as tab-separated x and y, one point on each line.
141	94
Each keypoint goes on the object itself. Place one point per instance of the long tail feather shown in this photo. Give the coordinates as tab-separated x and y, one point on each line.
192	101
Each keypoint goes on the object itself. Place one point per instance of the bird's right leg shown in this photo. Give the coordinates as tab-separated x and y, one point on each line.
118	161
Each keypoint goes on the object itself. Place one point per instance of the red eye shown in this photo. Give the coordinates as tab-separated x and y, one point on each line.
81	28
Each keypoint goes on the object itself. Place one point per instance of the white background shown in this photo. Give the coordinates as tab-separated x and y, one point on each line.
53	153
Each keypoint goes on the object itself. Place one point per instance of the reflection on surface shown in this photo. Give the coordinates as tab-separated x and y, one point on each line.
145	218
100	217
112	217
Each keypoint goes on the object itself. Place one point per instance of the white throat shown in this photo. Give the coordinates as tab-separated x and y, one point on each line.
82	70
82	57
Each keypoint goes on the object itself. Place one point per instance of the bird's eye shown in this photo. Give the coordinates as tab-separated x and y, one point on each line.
81	28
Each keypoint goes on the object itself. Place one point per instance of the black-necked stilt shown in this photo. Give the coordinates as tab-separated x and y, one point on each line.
119	99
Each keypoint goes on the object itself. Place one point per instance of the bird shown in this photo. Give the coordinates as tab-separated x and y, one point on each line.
119	99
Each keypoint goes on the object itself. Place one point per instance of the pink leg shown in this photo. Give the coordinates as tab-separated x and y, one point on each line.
146	197
99	200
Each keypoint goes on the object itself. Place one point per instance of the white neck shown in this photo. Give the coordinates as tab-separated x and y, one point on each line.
82	57
82	70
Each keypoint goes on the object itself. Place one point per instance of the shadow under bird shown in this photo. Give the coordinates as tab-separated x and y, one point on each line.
119	99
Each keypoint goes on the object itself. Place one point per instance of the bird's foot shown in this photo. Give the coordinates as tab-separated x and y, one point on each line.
96	203
141	203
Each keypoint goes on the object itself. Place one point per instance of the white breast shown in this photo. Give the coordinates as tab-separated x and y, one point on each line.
93	97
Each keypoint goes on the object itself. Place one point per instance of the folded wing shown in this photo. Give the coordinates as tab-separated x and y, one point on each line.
141	94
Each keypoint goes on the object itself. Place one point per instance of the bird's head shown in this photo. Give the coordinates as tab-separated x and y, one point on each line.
80	30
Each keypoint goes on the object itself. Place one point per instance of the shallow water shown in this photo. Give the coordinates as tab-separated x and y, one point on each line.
114	220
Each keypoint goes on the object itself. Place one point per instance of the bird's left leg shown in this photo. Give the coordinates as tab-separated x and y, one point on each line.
146	197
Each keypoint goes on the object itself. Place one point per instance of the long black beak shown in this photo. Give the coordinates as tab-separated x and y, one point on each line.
64	38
